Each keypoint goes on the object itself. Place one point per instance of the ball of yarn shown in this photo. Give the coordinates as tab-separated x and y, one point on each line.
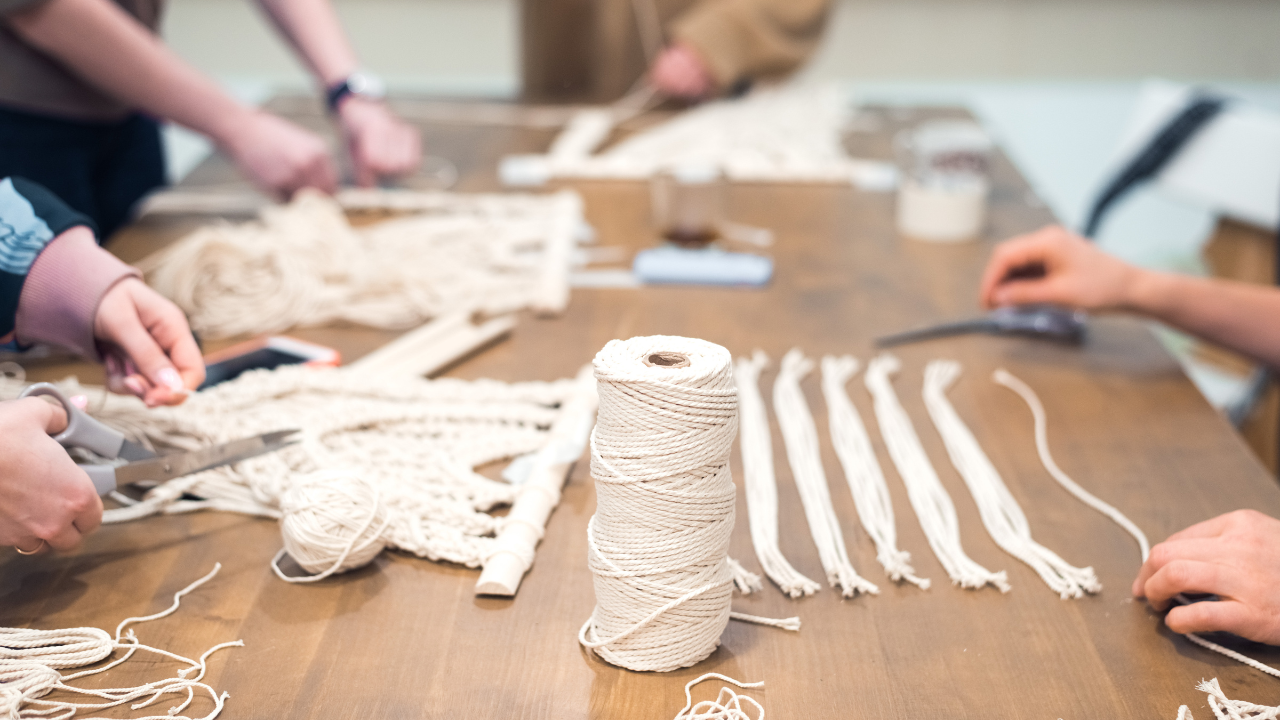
332	521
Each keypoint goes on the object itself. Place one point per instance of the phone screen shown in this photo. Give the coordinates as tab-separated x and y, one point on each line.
232	368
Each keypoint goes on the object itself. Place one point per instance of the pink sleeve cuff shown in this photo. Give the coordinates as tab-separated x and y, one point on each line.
62	291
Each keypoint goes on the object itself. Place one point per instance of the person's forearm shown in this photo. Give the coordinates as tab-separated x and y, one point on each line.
313	28
1241	316
104	45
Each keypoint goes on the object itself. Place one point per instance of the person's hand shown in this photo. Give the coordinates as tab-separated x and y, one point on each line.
1234	556
380	144
1055	266
681	72
147	345
45	500
279	156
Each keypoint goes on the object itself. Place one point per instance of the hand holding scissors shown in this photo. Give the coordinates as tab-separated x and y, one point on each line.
144	466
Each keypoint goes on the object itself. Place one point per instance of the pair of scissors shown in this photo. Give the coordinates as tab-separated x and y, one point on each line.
144	465
1047	322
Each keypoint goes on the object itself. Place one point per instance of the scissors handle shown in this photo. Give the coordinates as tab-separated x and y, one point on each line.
82	431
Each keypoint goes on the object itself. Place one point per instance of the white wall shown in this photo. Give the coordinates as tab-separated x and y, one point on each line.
1052	39
471	46
467	47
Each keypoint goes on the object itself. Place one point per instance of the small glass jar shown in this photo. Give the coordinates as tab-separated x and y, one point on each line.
689	203
942	196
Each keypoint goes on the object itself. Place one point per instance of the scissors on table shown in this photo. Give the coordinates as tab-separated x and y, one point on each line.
144	465
1041	321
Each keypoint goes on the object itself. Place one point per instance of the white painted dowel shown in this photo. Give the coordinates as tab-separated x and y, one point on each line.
552	294
433	346
514	550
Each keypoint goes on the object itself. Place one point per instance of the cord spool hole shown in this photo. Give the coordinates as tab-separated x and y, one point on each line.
667	360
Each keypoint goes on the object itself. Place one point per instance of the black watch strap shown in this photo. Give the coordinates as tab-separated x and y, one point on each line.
335	94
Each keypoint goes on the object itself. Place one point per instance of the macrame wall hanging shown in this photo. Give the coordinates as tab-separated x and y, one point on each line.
304	264
774	134
383	462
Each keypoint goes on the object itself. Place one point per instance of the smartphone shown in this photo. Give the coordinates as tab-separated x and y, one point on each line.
267	353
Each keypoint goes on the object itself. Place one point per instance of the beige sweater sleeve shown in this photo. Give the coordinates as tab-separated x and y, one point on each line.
752	38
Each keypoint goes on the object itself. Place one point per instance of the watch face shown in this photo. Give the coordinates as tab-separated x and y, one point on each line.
367	85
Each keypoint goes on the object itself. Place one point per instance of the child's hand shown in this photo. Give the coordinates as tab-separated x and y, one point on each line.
149	350
44	498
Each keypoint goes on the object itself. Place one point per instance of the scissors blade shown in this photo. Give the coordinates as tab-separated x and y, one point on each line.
936	331
168	467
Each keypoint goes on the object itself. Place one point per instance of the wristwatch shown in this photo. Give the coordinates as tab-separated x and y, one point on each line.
360	84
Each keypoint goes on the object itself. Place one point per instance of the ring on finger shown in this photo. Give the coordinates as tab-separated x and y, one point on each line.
30	552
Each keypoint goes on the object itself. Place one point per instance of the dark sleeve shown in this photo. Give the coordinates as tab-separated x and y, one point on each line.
30	217
8	7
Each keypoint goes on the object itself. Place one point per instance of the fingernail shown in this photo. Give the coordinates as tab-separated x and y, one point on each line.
170	379
80	401
135	386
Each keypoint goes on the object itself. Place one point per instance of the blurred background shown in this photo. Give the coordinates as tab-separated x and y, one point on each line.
1059	83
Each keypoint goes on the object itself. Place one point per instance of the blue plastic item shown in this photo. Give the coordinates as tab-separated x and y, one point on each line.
703	266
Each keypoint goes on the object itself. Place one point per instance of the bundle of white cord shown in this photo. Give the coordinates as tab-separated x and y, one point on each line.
933	506
396	457
728	705
1225	708
30	660
801	438
303	264
658	542
1000	512
759	479
862	470
774	134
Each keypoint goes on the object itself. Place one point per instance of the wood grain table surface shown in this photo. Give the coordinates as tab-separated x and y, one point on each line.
406	638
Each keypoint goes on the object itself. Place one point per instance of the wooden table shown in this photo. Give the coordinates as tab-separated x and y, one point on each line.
406	638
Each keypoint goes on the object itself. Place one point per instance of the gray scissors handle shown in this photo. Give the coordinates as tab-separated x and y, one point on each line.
82	431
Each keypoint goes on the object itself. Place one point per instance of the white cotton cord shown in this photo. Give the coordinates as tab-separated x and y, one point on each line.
1007	379
1228	652
331	521
303	264
933	506
658	542
758	477
728	705
30	660
744	581
862	470
1029	396
803	453
1001	515
791	623
416	442
1225	708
